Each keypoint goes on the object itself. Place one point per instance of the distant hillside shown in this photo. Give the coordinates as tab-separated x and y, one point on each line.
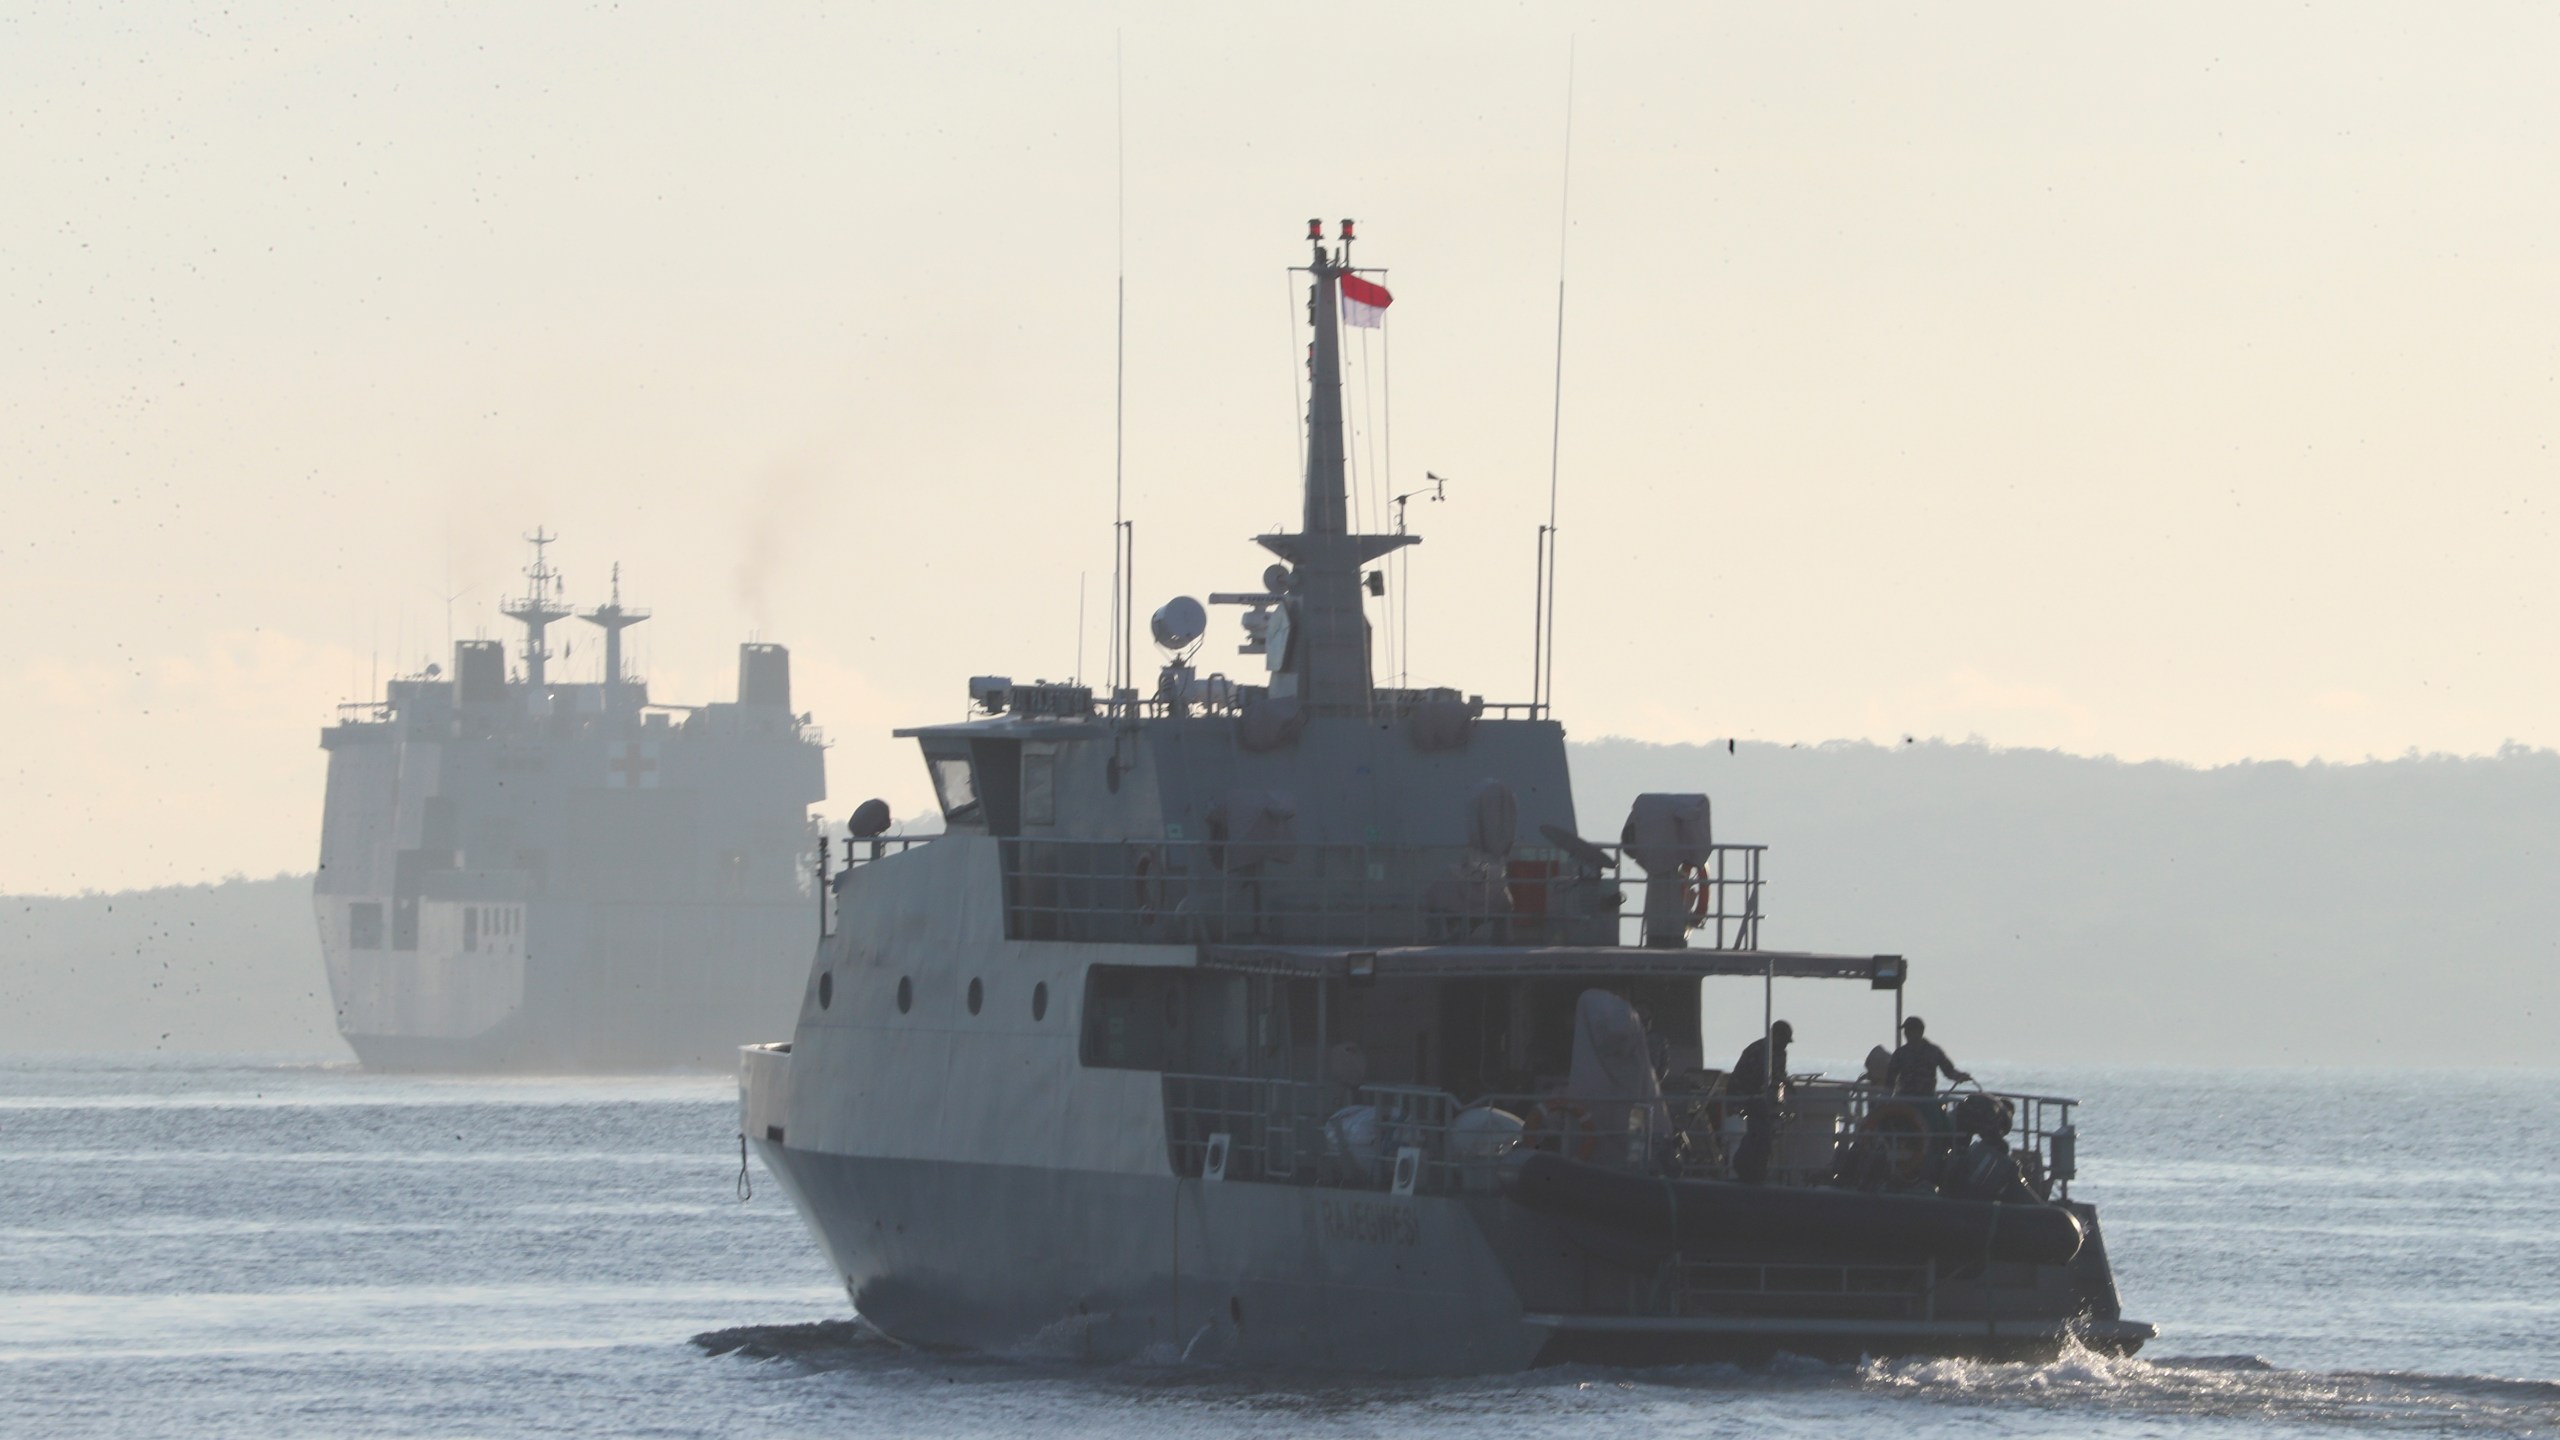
2054	908
2063	908
234	966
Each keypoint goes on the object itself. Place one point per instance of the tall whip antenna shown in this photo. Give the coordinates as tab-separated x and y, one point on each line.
1123	664
1542	650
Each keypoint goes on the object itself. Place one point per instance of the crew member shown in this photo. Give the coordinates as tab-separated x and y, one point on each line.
1759	1082
1915	1067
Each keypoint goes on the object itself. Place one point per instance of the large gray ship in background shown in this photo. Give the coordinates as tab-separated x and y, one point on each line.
522	873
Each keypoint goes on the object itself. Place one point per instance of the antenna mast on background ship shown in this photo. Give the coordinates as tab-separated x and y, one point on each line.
538	607
614	619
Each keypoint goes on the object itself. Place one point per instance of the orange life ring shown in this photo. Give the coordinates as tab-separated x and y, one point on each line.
1563	1126
1696	894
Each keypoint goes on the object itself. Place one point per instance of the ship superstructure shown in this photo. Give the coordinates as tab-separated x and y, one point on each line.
1294	1022
519	872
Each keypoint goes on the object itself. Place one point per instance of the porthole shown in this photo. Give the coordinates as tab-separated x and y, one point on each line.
1040	1001
906	994
826	988
977	996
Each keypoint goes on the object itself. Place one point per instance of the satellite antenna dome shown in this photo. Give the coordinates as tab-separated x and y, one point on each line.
434	670
1275	578
870	818
1179	623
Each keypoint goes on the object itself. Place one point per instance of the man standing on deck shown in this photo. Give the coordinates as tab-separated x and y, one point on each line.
1915	1067
1759	1082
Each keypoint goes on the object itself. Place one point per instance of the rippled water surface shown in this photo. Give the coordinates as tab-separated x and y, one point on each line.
222	1248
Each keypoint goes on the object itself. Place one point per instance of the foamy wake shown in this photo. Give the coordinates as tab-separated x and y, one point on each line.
2077	1382
2232	1385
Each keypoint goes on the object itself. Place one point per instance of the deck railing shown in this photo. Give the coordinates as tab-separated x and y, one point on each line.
1420	1139
1221	696
1286	893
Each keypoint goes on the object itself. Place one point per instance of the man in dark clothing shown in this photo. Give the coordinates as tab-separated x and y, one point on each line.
1915	1067
1759	1081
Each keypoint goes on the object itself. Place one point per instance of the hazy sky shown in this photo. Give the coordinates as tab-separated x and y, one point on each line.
2176	381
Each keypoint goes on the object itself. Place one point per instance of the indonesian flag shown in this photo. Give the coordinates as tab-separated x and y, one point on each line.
1364	302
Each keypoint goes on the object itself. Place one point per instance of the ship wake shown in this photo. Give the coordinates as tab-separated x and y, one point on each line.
2080	1384
2232	1387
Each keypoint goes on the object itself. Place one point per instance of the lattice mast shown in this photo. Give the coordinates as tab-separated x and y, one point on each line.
540	604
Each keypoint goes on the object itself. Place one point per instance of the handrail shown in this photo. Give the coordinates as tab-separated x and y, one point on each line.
1279	891
1829	1132
880	847
1384	704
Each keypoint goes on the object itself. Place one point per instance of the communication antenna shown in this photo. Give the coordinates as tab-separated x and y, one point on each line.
1438	492
1542	645
613	617
540	605
449	596
1123	542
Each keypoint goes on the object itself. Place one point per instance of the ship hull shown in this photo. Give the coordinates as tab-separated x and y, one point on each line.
1106	1267
978	1181
566	986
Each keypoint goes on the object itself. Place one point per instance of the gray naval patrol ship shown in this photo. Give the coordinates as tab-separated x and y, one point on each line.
1296	1024
522	873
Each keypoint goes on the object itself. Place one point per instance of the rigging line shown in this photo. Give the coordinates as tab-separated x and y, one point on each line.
1399	620
1350	440
1378	479
1297	366
1555	440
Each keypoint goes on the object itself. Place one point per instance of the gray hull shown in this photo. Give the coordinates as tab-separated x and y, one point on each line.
1291	1277
977	1182
627	986
1232	1273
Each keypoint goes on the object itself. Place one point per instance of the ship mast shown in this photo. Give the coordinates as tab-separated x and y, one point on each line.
537	607
614	619
1328	637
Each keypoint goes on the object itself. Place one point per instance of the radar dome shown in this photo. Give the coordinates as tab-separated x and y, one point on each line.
1179	623
870	818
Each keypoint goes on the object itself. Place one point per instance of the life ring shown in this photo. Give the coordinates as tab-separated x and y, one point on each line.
1146	885
1902	1133
1563	1126
1696	894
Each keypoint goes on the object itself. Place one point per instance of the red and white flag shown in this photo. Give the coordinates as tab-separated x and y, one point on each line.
1364	302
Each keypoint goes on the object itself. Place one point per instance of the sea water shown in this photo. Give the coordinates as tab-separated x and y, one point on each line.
224	1248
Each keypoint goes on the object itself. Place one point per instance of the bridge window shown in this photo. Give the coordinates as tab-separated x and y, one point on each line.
955	786
1039	787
